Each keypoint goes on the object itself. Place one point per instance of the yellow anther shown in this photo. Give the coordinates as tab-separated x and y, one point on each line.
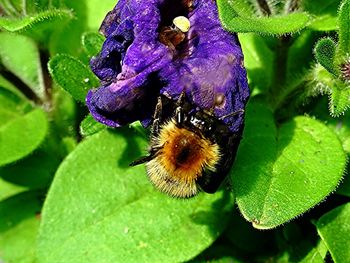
182	23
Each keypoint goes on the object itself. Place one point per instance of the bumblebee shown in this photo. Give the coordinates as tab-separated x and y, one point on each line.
190	149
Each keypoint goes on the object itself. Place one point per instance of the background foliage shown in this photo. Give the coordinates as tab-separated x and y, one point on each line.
68	195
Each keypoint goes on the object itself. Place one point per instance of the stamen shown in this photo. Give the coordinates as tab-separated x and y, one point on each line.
182	23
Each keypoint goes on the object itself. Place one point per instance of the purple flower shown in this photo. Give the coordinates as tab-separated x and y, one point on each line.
142	58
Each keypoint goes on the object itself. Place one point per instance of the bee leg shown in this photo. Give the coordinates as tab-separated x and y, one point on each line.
157	117
179	115
231	114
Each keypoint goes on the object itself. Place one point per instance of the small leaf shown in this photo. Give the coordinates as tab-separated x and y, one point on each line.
324	23
72	75
339	99
92	43
111	213
19	224
38	25
90	126
275	25
325	53
334	229
22	135
280	174
344	29
24	62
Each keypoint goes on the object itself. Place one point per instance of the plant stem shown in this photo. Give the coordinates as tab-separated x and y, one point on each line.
264	7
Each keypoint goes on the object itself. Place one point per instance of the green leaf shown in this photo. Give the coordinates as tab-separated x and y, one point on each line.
234	20
324	14
334	229
344	29
280	174
316	255
325	53
39	25
35	171
324	23
24	62
19	223
8	189
258	60
97	10
22	135
5	84
90	126
92	43
111	213
72	75
339	98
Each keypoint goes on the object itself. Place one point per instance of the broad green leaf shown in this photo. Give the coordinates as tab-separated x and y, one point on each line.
325	53
281	173
72	75
339	99
24	62
22	135
38	25
35	171
97	10
19	223
334	229
92	43
111	213
90	126
8	189
274	25
344	29
258	60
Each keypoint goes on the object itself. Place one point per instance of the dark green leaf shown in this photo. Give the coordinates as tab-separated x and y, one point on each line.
72	75
279	174
21	135
92	43
325	53
233	20
90	126
19	223
110	212
35	171
24	62
344	29
334	229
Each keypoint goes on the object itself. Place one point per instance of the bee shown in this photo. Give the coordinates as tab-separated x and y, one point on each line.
189	150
